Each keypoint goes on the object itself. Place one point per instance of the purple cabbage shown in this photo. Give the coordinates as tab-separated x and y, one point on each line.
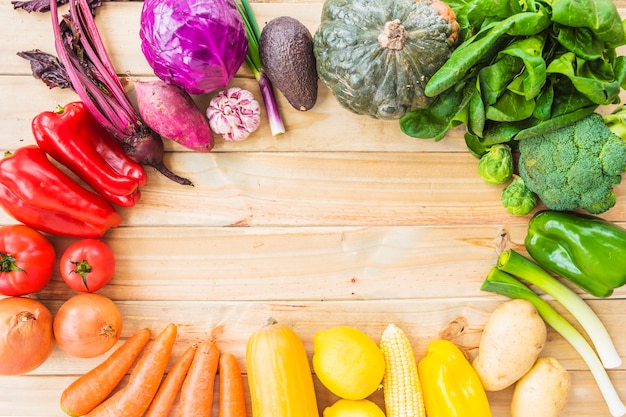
197	45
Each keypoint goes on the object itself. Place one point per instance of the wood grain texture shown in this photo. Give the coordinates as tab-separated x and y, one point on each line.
341	220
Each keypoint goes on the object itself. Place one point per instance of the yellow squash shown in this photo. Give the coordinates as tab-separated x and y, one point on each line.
279	374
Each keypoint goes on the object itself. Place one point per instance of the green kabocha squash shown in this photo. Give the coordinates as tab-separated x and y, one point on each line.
376	56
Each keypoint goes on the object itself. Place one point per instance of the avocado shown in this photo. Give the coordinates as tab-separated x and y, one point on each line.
286	52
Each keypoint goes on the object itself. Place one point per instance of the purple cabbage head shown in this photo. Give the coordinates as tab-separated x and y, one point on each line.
197	45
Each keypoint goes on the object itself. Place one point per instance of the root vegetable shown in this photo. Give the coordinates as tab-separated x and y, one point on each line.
26	338
542	391
196	393
90	389
172	113
165	397
502	283
234	114
232	397
87	325
134	398
511	341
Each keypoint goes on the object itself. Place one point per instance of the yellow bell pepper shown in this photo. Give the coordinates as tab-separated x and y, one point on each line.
450	385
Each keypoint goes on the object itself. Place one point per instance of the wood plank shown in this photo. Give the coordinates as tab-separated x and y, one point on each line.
324	189
303	263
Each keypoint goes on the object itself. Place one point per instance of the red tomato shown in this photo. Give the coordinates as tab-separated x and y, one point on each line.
27	260
87	265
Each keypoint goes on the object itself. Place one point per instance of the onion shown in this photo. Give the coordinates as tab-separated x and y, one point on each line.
26	338
87	325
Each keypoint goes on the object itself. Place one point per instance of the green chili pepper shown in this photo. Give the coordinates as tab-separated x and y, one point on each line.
586	250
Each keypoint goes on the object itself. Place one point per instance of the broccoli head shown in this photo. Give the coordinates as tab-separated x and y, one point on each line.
575	166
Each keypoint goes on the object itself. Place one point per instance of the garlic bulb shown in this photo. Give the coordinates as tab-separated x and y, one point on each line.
234	113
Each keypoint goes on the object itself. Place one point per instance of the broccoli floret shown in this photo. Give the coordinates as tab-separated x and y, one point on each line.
574	167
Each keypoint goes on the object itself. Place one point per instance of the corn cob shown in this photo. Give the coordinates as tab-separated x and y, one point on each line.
401	386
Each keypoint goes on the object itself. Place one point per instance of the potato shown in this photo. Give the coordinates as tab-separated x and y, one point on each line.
543	391
512	339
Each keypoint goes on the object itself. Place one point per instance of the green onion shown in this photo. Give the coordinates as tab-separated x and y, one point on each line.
500	282
253	61
521	267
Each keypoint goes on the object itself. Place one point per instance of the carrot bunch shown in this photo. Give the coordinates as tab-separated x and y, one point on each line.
148	393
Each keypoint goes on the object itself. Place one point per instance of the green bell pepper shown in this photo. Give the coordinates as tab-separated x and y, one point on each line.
584	249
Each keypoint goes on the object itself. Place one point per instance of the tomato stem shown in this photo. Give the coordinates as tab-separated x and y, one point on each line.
8	263
83	269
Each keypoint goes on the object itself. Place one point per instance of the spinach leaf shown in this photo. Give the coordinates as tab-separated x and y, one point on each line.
476	117
495	134
529	50
598	89
510	107
444	113
554	123
543	103
580	41
601	16
481	45
495	78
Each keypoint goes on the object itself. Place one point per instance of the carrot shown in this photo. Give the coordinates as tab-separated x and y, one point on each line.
232	398
170	387
134	399
196	395
90	389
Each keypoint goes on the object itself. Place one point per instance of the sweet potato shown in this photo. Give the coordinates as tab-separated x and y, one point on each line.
542	391
173	114
512	339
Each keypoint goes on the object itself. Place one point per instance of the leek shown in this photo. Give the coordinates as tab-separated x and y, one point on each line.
521	267
254	63
502	283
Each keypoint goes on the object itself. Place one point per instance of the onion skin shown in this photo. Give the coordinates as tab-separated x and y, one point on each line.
87	325
26	337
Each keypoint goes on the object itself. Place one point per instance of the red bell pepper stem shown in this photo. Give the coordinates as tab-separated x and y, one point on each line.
37	193
73	137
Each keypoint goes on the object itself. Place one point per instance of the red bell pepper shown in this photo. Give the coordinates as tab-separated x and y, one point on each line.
37	193
73	137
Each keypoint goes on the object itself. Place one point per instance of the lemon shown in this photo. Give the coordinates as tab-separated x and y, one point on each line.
353	408
347	362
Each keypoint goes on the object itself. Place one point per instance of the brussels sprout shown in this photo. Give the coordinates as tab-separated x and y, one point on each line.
517	198
496	166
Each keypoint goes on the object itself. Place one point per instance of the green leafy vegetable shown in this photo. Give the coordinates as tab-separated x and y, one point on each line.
535	66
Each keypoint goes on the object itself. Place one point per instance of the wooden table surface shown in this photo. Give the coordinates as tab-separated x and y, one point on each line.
343	220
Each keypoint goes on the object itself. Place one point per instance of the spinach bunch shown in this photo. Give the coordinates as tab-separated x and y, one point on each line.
524	68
